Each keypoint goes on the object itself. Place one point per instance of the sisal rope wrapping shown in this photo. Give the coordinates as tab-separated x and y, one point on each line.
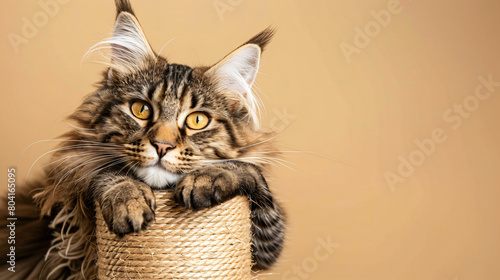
212	243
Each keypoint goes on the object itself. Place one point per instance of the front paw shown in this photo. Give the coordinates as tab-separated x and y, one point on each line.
205	188
128	207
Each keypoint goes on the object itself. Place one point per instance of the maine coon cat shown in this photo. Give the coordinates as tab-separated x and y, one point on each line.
151	124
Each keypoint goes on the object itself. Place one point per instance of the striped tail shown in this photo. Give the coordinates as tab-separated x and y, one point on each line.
268	227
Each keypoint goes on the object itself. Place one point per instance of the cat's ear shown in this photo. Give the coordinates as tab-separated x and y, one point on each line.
130	50
235	73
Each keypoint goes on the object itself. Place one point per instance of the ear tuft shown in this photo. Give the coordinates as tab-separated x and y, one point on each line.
263	38
123	6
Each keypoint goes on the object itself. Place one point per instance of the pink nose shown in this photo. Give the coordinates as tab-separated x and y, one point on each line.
162	147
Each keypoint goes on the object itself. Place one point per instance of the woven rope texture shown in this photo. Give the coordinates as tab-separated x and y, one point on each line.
212	243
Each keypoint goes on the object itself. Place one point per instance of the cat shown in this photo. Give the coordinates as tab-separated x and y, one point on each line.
151	124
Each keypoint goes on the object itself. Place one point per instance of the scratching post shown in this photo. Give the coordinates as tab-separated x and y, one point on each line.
212	243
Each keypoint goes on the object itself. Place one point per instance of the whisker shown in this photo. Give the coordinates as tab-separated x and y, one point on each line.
84	157
68	140
268	160
119	171
101	167
61	149
315	154
77	166
73	126
134	164
86	142
84	153
258	143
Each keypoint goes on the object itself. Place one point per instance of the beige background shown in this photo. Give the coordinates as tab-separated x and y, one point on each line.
352	120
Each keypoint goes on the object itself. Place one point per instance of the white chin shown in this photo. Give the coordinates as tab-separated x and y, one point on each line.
157	177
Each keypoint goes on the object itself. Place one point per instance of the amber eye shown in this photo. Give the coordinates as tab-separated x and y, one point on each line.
197	120
141	110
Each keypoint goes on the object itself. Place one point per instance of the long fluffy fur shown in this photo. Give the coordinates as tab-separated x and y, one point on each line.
106	138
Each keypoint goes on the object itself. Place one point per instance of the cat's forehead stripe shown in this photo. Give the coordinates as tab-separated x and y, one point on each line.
185	79
176	77
156	90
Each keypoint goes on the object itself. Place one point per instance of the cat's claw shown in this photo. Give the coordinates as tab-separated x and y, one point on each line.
128	207
205	188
